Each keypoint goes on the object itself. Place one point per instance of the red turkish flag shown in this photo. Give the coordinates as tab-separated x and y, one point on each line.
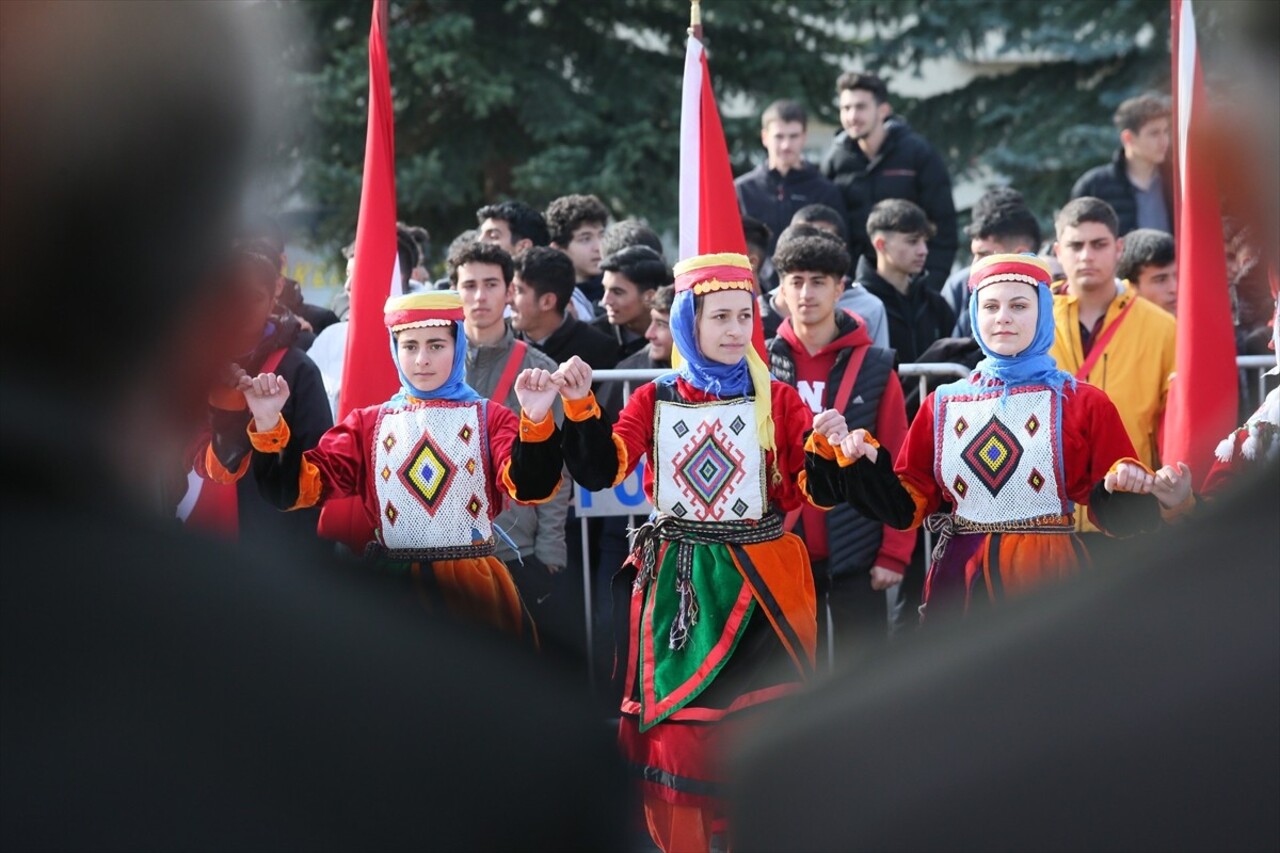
1203	395
368	375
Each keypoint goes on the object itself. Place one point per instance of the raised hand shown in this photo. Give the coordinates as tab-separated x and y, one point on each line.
1127	477
856	445
575	376
831	425
265	395
1172	485
536	389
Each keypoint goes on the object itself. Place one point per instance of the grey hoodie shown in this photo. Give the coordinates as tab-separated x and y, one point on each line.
539	529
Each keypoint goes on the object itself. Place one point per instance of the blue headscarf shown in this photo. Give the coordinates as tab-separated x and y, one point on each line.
1033	365
416	310
713	377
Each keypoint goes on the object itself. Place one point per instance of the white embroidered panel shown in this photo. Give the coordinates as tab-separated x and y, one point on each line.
708	465
998	463
428	467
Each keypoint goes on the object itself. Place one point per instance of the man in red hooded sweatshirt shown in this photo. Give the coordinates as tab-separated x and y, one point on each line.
827	354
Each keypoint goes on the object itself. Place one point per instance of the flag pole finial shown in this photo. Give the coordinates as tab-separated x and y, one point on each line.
695	18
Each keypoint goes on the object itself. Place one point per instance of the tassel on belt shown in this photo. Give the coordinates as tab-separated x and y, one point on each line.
645	543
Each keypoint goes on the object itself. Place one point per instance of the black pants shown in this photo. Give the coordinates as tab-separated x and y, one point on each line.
852	617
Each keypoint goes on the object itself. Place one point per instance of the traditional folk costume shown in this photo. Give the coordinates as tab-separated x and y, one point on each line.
1257	443
432	469
723	615
1012	448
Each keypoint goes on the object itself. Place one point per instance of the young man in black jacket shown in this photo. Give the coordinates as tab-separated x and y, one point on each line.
1137	183
540	293
876	157
917	315
630	278
773	191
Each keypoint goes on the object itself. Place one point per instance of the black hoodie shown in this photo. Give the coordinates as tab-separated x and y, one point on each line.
916	319
906	167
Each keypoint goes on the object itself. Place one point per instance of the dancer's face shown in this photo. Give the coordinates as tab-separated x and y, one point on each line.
1007	314
426	356
724	325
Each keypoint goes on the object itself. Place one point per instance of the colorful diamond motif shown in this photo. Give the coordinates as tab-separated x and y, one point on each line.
391	513
681	429
993	455
471	466
1036	480
739	507
427	474
959	486
961	426
385	472
707	468
474	506
1033	425
465	433
738	425
680	510
389	442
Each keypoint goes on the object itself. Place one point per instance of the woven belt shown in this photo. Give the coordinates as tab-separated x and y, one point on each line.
686	534
947	525
453	552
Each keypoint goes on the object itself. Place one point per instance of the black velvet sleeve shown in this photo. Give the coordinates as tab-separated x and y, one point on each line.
873	489
1123	513
589	453
536	467
277	474
826	481
228	438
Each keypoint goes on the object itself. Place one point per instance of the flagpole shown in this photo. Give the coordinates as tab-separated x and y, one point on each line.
695	19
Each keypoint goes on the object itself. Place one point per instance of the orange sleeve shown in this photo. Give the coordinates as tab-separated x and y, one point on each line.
217	473
309	485
582	409
271	441
540	431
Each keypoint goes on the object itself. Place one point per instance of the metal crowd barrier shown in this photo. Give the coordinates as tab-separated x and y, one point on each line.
1261	364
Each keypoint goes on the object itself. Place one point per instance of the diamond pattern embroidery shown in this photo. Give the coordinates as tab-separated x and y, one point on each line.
389	442
471	466
960	486
993	455
681	429
465	433
960	427
680	510
385	472
474	506
1036	480
739	507
427	474
1032	425
391	513
737	426
706	468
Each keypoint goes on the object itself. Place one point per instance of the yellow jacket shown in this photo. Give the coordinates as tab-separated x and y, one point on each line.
1134	368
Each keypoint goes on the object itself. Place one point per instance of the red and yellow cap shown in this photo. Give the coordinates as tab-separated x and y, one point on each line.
708	273
1027	269
415	310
